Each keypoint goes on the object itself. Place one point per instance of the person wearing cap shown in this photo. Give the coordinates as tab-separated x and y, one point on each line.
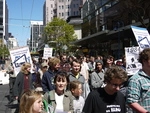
97	77
41	71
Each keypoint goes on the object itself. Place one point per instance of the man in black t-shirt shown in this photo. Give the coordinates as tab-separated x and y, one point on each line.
108	99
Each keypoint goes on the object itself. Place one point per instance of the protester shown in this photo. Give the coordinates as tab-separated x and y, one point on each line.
64	64
23	81
60	99
108	99
78	100
48	76
12	78
75	72
31	102
97	77
91	64
84	68
39	75
108	62
138	92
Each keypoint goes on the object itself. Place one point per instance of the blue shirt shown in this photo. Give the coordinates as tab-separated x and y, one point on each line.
139	89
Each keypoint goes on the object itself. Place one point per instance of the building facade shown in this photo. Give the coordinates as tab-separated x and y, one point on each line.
106	27
60	8
3	22
12	42
36	34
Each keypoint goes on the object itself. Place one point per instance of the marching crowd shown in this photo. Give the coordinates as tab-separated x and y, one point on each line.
81	84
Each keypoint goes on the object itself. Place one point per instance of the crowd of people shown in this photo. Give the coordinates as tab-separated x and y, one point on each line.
81	84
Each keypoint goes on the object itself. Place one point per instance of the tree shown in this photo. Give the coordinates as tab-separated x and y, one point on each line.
59	33
4	51
139	9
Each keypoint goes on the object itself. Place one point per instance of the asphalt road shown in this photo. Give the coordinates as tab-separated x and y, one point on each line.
4	93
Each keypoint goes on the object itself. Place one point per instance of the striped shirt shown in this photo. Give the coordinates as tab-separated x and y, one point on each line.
139	90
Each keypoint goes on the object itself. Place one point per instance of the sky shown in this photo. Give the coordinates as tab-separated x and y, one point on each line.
21	12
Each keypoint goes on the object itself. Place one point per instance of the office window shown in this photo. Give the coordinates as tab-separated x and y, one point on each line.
51	5
68	14
77	13
59	7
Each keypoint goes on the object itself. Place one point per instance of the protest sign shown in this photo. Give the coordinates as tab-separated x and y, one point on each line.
19	56
47	52
132	64
142	37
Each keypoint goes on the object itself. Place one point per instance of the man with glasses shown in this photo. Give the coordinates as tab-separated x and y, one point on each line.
108	99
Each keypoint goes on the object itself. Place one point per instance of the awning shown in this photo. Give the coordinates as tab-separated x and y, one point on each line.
92	38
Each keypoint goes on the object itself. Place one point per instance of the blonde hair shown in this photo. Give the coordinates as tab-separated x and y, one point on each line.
27	100
53	61
24	67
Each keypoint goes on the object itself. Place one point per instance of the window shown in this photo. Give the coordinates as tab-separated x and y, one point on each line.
62	14
77	13
68	13
74	13
51	5
59	7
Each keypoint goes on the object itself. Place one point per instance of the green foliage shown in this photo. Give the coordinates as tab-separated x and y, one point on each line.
59	33
4	51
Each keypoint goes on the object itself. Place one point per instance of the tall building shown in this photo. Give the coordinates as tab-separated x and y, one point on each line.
60	8
36	33
3	22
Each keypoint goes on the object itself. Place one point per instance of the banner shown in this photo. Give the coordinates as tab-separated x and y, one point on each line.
132	64
47	52
19	56
142	37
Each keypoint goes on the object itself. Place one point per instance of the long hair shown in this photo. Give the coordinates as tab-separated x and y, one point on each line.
24	67
27	100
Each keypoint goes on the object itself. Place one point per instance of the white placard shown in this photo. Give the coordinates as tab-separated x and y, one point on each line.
47	52
142	37
19	56
132	64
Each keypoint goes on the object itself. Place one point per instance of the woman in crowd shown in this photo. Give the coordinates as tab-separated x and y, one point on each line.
60	100
23	81
31	102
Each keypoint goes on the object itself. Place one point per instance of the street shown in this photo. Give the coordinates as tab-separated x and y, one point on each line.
4	93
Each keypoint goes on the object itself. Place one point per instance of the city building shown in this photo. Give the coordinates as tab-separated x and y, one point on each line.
12	42
3	22
60	8
68	10
36	35
106	27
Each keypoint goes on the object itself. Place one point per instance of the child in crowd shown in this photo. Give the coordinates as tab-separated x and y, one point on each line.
31	102
78	100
